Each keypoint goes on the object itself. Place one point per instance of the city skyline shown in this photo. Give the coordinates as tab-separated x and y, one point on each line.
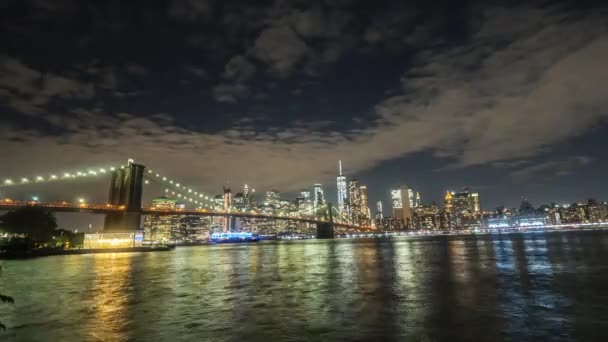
433	97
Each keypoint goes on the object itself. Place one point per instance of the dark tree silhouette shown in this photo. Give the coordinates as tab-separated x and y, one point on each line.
36	223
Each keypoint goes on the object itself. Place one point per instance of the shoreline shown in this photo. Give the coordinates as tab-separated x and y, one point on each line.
50	252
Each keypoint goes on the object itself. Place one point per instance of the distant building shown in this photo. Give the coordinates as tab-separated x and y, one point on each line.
401	205
273	198
342	191
379	213
426	217
319	198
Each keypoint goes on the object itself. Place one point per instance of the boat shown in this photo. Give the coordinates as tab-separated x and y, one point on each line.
233	237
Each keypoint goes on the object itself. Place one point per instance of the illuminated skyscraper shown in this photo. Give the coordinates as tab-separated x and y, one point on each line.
319	198
365	216
401	205
411	197
379	214
342	196
463	209
305	202
273	197
354	198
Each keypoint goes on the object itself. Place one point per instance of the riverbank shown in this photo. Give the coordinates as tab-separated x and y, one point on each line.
37	253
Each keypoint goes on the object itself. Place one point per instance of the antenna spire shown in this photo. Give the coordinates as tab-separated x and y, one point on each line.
340	166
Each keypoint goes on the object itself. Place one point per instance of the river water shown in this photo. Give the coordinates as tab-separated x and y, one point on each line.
494	287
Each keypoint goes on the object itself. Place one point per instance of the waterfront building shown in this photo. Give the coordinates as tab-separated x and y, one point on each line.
401	205
463	209
426	217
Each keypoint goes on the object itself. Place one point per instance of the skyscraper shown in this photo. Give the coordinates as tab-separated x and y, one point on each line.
273	198
365	215
401	204
319	198
342	196
379	214
354	198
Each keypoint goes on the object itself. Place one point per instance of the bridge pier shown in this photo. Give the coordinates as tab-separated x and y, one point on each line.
325	230
125	191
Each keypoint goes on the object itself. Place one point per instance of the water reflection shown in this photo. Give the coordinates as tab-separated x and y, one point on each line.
521	286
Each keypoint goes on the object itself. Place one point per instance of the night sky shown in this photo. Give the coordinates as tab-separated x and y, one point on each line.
510	101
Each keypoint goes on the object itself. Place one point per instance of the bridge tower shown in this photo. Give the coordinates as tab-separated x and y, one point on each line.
325	230
126	190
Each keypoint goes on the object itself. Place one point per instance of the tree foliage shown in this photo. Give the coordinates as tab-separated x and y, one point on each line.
36	223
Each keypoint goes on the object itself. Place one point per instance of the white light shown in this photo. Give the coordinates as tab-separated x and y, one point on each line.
149	171
195	193
79	173
157	175
38	179
179	195
170	182
35	198
201	195
102	170
24	180
93	172
164	178
53	177
146	182
206	197
177	185
66	175
172	193
8	181
166	190
189	190
81	200
112	168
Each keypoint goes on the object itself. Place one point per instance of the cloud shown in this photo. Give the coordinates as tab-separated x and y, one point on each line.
281	48
196	71
136	69
505	95
550	169
190	10
28	91
239	68
230	92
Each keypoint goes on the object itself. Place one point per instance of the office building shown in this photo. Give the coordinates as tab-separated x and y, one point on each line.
401	205
342	191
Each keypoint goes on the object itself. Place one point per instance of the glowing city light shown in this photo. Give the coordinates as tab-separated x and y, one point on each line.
39	179
24	180
8	181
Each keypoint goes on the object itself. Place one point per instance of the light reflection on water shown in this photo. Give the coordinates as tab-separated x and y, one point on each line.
525	286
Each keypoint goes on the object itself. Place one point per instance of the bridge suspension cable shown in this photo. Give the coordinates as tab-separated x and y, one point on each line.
184	192
59	176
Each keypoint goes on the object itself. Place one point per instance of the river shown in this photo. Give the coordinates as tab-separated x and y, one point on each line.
493	287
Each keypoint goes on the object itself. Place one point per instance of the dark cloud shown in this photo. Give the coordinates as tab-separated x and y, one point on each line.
550	169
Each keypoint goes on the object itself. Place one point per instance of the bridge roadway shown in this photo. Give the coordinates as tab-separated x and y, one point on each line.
109	209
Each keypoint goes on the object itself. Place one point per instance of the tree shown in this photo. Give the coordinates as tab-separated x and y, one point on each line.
5	299
36	223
